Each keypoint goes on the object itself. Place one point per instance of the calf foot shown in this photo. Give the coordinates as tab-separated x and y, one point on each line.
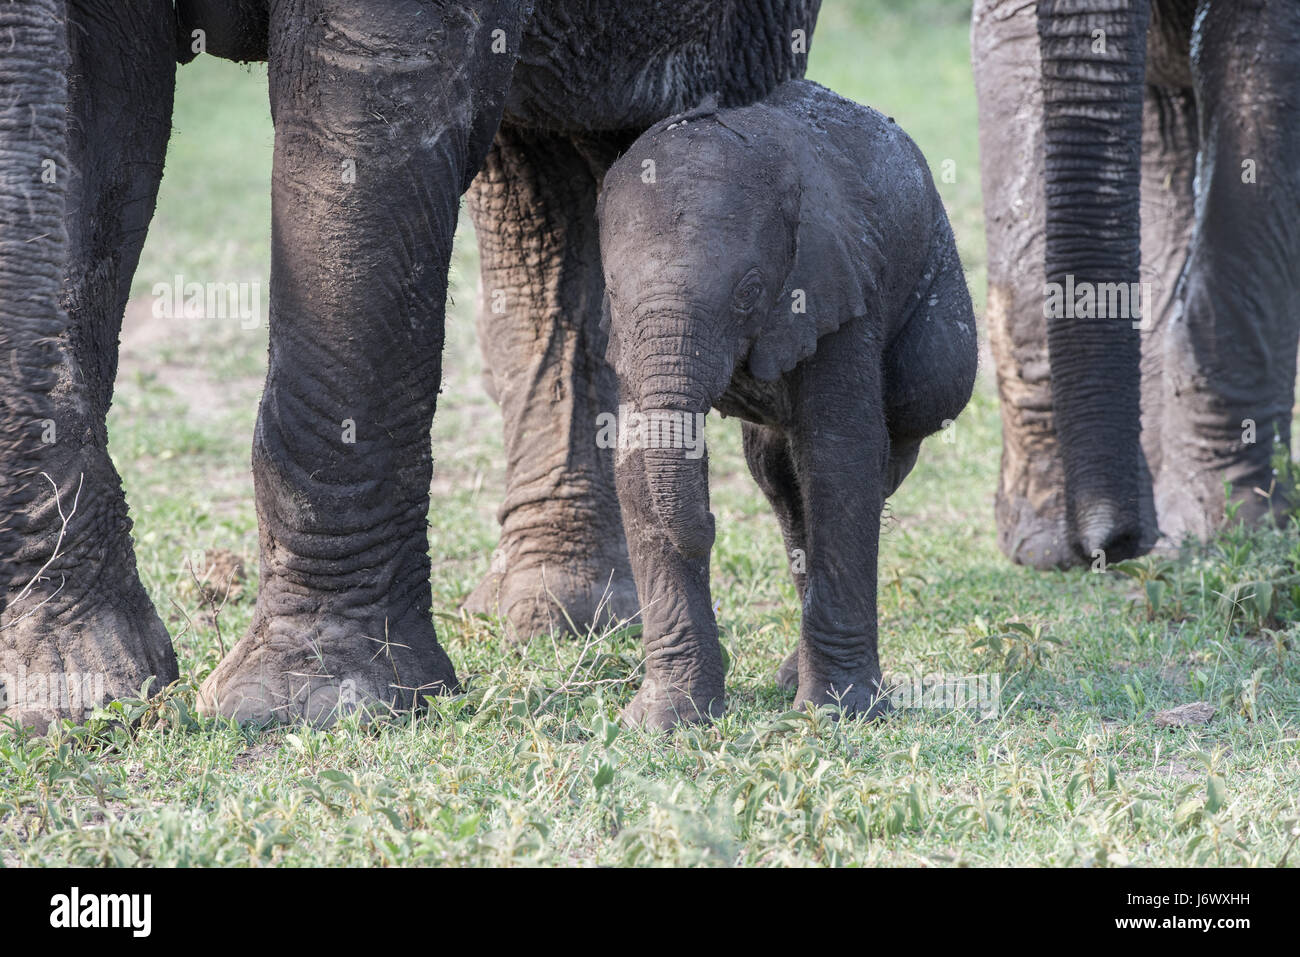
316	667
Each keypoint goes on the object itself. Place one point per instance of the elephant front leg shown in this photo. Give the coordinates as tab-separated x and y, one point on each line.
1230	350
1168	166
1030	504
562	560
683	664
85	112
381	116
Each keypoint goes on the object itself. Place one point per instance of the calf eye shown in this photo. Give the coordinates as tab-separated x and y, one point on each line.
748	291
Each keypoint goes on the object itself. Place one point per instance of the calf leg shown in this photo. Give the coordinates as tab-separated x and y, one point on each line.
930	364
683	666
840	447
768	453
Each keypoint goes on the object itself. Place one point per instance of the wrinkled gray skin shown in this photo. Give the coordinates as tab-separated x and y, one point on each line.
85	111
418	96
1128	165
802	199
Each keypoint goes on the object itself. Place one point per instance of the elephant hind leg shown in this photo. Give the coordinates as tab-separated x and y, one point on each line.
930	365
768	454
562	562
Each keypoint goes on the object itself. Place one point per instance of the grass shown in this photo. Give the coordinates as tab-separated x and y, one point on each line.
528	766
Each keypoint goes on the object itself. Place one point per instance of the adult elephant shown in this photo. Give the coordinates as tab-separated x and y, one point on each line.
384	112
1151	142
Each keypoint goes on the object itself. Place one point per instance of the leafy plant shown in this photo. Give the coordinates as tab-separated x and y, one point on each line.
1013	645
1255	601
1156	578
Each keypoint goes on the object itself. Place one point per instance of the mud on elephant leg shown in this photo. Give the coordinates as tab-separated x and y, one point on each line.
770	462
1231	348
365	190
85	125
1030	505
562	556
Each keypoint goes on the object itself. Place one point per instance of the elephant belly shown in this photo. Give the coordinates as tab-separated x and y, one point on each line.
591	65
1168	43
623	65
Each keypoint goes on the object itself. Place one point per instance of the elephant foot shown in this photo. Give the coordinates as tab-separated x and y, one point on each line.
861	698
1030	537
565	595
660	706
787	676
62	661
313	668
1194	505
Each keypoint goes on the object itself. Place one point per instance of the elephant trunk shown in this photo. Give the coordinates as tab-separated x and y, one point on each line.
1093	68
679	492
681	373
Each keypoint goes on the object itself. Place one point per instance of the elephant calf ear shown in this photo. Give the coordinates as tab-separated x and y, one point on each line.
827	286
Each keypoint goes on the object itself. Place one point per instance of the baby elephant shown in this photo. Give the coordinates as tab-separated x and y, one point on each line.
789	263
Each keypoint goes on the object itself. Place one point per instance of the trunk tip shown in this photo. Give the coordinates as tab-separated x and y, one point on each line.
1106	532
